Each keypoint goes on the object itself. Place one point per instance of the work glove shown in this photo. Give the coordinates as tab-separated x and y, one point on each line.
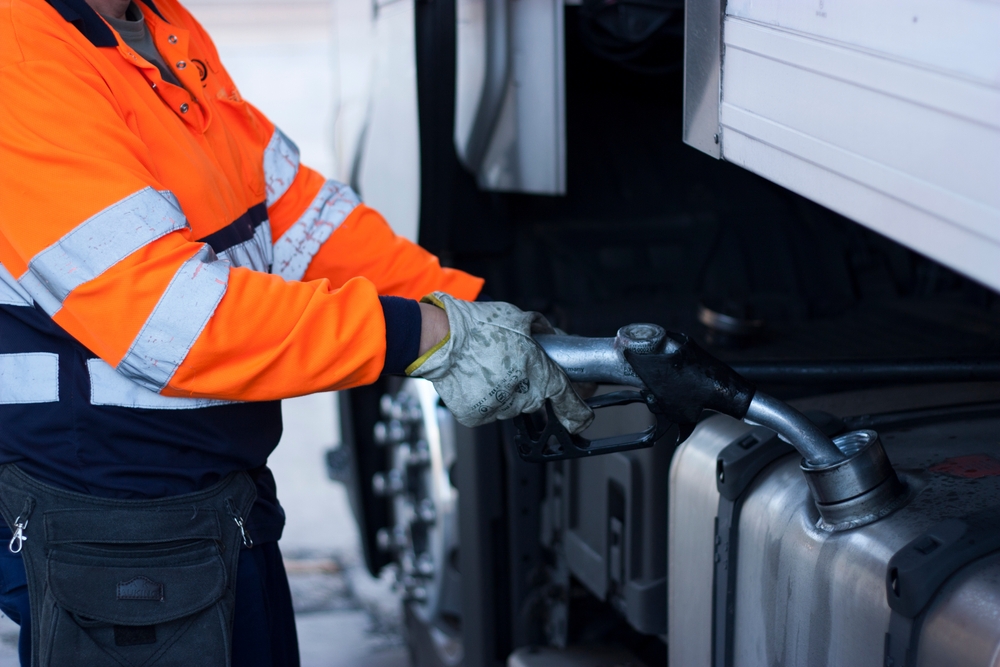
489	367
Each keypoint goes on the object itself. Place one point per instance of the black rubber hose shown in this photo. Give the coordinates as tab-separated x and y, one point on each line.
869	372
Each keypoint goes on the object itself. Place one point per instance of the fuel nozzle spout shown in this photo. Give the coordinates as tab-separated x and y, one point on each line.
683	380
851	479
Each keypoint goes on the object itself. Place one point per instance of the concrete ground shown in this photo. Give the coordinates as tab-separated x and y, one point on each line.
306	64
8	642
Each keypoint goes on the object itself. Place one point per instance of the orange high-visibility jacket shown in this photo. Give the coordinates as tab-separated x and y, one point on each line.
172	230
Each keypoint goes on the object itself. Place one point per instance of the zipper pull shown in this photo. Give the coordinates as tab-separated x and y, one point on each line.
244	533
20	523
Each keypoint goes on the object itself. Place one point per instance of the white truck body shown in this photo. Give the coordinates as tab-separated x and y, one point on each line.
886	112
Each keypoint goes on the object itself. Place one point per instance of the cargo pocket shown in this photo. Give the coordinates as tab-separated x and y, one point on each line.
131	602
137	606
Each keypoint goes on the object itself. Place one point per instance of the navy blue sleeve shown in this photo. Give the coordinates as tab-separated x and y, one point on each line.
402	333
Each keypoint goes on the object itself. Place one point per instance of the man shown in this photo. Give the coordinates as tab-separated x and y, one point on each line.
168	273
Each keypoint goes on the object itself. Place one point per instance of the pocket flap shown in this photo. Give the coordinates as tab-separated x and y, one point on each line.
125	526
137	587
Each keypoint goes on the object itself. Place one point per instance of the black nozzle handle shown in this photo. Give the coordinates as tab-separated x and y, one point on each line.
680	380
684	380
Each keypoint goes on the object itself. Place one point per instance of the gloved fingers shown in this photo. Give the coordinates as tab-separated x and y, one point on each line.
491	368
540	325
571	410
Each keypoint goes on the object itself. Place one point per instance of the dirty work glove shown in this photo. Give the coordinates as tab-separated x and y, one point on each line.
489	367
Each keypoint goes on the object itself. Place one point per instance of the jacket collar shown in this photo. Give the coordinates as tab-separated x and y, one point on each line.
86	20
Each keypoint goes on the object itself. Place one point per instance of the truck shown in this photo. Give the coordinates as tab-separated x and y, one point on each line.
810	192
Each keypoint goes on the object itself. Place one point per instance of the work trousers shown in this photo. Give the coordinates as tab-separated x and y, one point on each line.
263	626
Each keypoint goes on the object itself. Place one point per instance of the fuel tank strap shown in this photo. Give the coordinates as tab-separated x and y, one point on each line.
736	467
917	571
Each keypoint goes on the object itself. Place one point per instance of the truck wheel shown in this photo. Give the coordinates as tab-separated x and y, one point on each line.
418	433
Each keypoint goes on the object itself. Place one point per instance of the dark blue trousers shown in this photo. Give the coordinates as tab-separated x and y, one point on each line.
263	626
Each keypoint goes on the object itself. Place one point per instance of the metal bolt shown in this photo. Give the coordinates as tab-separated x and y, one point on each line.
383	538
181	64
420	454
172	39
425	565
641	338
386	483
396	431
385	434
385	405
426	511
409	567
184	107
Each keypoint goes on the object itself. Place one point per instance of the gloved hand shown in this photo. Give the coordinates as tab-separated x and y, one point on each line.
489	367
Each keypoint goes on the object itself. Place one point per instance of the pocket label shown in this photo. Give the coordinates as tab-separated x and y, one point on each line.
140	588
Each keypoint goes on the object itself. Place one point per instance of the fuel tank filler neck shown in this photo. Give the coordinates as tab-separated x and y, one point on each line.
858	490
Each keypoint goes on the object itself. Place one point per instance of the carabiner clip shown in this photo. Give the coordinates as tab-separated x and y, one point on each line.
17	542
247	540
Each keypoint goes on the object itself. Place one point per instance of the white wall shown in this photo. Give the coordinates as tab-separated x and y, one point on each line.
282	56
310	65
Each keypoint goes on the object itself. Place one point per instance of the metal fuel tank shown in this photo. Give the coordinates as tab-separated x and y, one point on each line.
779	589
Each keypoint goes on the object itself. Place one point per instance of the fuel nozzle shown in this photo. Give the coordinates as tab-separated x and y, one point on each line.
850	476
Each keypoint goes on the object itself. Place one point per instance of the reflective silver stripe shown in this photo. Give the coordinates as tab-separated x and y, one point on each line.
109	387
42	296
29	378
100	242
12	294
281	163
295	249
177	321
255	253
